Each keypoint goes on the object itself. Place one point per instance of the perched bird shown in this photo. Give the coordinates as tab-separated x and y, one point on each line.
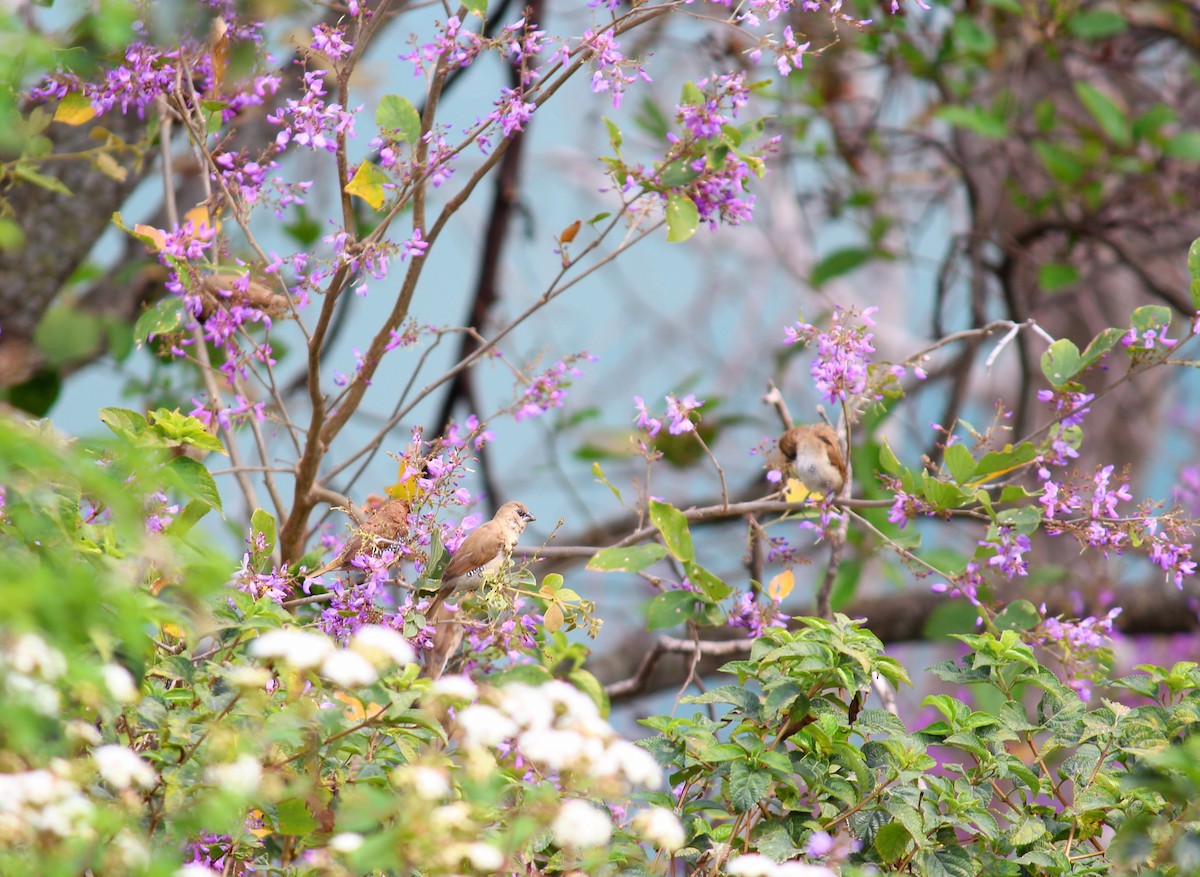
814	454
484	550
386	521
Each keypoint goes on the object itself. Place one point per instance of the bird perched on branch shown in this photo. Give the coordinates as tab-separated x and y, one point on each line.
386	521
482	551
814	454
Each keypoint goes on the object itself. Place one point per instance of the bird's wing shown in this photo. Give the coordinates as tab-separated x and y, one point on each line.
480	547
827	437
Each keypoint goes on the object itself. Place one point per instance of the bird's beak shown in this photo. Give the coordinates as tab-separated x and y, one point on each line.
528	516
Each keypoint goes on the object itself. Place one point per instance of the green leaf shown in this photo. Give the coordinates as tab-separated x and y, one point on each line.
29	175
1110	117
999	462
1096	24
673	526
1194	272
615	138
12	236
1029	829
960	463
397	117
974	119
186	519
1185	145
710	585
183	429
1061	362
941	494
888	459
262	522
892	842
678	174
477	8
166	316
293	818
837	263
1062	164
670	609
746	786
1018	615
195	480
631	558
1151	318
1053	276
683	217
125	423
1100	345
65	334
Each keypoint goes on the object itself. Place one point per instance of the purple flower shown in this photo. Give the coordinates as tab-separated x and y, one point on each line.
644	421
840	367
1010	553
679	411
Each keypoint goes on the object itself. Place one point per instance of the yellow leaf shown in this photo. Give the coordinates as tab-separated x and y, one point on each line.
405	488
568	233
109	166
355	710
554	618
780	586
259	832
74	109
368	184
200	217
796	491
173	630
150	236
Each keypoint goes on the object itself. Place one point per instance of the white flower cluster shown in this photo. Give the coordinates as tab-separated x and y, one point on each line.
372	648
123	768
41	801
557	727
27	664
757	865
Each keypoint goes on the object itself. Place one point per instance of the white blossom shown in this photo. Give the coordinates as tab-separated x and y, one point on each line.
660	827
41	801
196	870
346	842
120	683
483	725
527	705
752	865
553	748
485	857
301	649
33	656
249	678
240	777
84	732
634	763
382	646
122	767
579	825
348	669
459	687
802	869
429	783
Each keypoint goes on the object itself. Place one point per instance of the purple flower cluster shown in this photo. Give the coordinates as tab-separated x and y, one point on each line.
160	512
679	413
756	616
1080	645
548	390
311	122
843	354
969	583
1010	549
611	70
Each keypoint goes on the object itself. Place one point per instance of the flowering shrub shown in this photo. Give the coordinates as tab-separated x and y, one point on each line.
169	709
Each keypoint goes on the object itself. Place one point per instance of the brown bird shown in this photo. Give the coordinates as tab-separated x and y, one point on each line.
814	454
387	521
484	550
